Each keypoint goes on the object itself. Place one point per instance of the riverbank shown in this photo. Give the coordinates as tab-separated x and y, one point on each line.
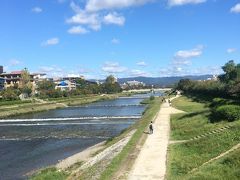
200	149
45	105
114	166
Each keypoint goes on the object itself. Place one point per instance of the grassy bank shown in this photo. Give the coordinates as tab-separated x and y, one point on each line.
50	174
186	159
34	106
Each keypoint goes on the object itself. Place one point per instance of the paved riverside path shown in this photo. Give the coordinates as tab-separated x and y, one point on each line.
151	161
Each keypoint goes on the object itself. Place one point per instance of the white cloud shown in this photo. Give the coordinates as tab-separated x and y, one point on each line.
114	18
95	13
14	62
50	42
184	71
46	69
92	20
113	67
52	71
137	72
187	54
97	5
231	50
77	30
115	41
235	9
73	75
141	63
183	2
181	62
37	10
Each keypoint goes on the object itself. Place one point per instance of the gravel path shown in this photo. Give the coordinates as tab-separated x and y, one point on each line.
151	161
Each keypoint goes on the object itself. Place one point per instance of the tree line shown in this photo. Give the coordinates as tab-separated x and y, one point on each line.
223	92
227	85
47	88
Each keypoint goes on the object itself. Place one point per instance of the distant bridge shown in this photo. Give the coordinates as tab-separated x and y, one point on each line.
149	90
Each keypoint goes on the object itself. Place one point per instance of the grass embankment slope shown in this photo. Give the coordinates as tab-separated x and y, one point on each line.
22	107
121	164
193	159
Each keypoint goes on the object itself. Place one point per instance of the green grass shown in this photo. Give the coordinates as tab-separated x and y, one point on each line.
50	174
184	157
193	123
141	125
224	168
188	105
15	102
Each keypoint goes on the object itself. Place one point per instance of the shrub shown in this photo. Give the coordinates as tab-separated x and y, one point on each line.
228	112
152	98
216	102
9	94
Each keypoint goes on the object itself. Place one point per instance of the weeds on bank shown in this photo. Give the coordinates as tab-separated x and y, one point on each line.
184	157
50	174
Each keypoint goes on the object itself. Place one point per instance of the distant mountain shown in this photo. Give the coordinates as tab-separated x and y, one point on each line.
160	81
163	81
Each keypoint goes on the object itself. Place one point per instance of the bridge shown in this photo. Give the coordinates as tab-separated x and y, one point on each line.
149	90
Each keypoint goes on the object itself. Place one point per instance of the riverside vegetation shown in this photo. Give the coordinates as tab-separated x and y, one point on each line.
205	141
117	167
196	140
47	89
47	97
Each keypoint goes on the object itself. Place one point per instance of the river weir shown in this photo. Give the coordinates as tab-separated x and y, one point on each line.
33	141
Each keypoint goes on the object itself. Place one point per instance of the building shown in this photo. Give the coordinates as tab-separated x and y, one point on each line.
1	69
39	76
2	81
132	84
65	85
135	83
73	78
14	78
213	78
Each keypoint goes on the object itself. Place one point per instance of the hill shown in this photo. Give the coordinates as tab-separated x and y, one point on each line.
163	81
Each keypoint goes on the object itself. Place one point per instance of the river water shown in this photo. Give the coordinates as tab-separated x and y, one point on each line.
33	141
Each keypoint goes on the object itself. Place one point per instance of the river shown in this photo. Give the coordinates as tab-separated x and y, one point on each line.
33	141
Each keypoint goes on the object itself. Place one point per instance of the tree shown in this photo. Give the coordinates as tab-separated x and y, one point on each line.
184	84
45	85
110	79
231	72
81	83
25	82
231	78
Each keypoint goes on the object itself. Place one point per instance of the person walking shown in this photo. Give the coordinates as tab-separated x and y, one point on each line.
151	128
170	103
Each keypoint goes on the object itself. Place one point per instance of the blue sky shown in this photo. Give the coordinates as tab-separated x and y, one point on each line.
126	38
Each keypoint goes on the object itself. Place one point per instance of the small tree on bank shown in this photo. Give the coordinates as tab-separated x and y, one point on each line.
25	82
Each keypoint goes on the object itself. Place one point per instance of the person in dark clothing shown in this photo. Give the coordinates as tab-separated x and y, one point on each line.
151	128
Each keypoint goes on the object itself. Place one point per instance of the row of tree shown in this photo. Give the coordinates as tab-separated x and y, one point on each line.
227	85
46	88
